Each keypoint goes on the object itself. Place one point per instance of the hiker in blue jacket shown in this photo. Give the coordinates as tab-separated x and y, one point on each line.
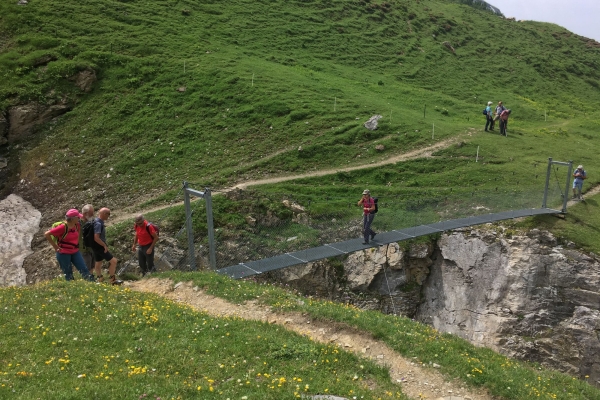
489	119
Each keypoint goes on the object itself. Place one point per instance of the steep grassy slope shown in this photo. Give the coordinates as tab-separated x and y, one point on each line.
263	78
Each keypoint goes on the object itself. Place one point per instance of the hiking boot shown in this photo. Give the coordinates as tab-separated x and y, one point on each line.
115	281
365	242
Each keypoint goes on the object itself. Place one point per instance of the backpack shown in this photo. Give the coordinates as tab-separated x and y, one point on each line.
88	235
376	206
54	238
156	228
485	111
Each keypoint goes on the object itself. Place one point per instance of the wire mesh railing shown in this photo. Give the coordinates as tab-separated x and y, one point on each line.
295	223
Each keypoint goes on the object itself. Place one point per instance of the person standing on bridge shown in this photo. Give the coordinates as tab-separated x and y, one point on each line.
579	176
368	205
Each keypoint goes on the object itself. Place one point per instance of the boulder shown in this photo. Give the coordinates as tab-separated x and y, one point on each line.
19	222
371	124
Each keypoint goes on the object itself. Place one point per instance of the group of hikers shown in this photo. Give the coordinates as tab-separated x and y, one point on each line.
500	113
80	240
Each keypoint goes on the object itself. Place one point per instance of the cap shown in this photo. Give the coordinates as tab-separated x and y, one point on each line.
366	191
489	103
580	167
73	213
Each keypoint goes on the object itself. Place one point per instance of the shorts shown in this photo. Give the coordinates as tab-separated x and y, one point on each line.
578	184
100	255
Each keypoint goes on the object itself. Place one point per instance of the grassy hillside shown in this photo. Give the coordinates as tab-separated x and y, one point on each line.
97	341
263	78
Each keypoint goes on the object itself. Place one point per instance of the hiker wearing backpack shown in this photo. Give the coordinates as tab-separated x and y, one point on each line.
369	210
87	252
144	239
579	176
100	249
64	238
489	120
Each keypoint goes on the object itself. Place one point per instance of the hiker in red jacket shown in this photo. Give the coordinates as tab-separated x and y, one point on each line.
368	205
146	236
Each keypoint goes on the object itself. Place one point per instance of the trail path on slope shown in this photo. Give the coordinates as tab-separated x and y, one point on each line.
417	381
424	152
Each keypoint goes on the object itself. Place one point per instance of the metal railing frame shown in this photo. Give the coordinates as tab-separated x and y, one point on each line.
206	195
548	172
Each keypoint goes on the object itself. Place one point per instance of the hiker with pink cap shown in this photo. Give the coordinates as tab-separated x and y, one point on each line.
64	238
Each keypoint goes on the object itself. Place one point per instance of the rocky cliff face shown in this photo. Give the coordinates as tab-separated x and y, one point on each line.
525	296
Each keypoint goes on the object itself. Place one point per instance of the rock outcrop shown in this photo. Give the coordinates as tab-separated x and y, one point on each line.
525	296
19	221
25	118
85	79
3	129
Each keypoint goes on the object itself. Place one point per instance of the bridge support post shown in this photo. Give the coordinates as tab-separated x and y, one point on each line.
188	227
564	209
211	231
206	195
547	182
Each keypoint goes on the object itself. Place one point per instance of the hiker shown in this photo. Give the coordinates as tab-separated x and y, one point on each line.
504	121
144	240
66	245
101	252
368	205
489	119
499	108
579	176
87	252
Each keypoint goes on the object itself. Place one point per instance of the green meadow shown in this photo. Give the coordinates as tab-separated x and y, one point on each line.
219	93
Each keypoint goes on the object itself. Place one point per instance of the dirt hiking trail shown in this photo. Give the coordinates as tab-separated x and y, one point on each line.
425	152
417	381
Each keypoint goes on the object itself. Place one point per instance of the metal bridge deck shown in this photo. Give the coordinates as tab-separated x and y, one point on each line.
251	268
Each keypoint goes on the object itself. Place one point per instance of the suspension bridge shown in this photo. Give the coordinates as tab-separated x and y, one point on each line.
247	269
260	246
244	270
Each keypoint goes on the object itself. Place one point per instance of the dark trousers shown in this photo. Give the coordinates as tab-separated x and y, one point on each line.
146	261
367	221
489	122
503	127
88	258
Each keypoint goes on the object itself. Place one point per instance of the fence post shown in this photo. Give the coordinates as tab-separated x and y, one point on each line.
564	209
211	230
547	182
188	227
